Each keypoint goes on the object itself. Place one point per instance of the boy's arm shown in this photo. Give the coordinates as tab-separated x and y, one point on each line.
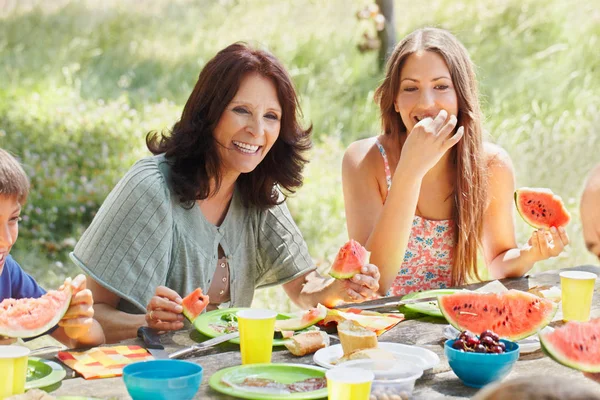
93	337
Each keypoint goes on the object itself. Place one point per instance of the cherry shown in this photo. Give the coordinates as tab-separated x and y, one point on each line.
459	344
480	349
472	341
464	335
502	345
486	333
497	349
487	341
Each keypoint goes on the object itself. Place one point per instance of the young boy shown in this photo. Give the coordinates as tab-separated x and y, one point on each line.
590	212
78	327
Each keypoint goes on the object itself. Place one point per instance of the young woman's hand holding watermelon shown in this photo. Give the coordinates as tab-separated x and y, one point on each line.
544	243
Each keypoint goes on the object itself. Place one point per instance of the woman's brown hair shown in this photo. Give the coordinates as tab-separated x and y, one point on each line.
192	150
470	187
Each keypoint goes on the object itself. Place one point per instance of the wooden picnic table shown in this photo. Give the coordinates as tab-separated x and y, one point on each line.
440	383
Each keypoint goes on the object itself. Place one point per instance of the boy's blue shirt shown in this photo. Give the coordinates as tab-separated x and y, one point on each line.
16	283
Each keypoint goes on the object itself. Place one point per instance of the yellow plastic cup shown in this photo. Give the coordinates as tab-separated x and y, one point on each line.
345	383
13	367
577	288
256	335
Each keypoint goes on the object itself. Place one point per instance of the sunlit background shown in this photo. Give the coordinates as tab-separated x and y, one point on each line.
82	82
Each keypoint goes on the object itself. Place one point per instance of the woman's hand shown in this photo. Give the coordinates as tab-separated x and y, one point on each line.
361	287
544	244
428	141
79	318
164	312
595	376
7	340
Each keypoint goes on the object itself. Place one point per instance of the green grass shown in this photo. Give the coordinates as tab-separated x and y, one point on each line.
81	82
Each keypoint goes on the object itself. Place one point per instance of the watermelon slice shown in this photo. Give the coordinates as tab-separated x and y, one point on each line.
304	320
513	315
349	260
575	345
541	208
25	318
193	304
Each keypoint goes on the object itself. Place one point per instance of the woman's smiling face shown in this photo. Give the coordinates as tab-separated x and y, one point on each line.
249	125
425	89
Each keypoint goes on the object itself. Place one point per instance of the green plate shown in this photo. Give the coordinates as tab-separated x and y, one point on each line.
203	322
431	307
283	373
42	373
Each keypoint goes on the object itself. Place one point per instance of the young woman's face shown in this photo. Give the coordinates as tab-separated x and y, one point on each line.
10	211
425	89
249	125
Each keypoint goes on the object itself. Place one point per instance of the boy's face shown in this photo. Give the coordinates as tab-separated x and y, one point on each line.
10	211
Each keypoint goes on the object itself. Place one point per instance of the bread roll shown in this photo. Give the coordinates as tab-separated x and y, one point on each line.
355	337
307	343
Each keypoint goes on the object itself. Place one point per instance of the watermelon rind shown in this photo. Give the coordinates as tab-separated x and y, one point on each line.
301	322
506	298
560	357
11	327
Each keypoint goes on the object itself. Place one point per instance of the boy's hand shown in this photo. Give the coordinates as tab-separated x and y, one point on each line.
79	317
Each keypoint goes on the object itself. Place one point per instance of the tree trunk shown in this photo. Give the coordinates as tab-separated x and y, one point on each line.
388	35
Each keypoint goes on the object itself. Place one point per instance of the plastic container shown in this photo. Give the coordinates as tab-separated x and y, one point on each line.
394	380
162	379
479	369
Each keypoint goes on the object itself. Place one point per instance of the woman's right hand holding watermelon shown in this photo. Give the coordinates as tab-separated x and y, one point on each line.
164	311
544	244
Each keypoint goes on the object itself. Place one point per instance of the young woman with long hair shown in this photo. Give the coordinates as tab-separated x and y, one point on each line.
427	193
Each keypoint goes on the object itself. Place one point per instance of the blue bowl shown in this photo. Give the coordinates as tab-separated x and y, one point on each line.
162	379
479	369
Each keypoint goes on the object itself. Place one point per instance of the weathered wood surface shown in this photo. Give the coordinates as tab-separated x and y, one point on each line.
426	332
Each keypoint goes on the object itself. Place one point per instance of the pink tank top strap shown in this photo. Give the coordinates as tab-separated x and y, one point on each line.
386	165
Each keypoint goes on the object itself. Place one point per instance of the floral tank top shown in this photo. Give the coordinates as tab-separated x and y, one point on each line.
428	259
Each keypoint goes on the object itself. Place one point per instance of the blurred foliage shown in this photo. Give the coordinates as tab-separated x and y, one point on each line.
82	82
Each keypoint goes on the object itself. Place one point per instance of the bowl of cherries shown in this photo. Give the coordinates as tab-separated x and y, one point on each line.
479	360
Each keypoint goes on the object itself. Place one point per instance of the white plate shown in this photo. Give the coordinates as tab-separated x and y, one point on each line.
527	345
424	358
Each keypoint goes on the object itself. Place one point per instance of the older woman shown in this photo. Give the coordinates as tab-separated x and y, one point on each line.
207	210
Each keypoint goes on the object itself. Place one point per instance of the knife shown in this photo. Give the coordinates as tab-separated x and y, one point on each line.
152	341
204	345
375	304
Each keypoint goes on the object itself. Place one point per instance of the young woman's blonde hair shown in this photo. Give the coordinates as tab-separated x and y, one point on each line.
13	180
470	186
